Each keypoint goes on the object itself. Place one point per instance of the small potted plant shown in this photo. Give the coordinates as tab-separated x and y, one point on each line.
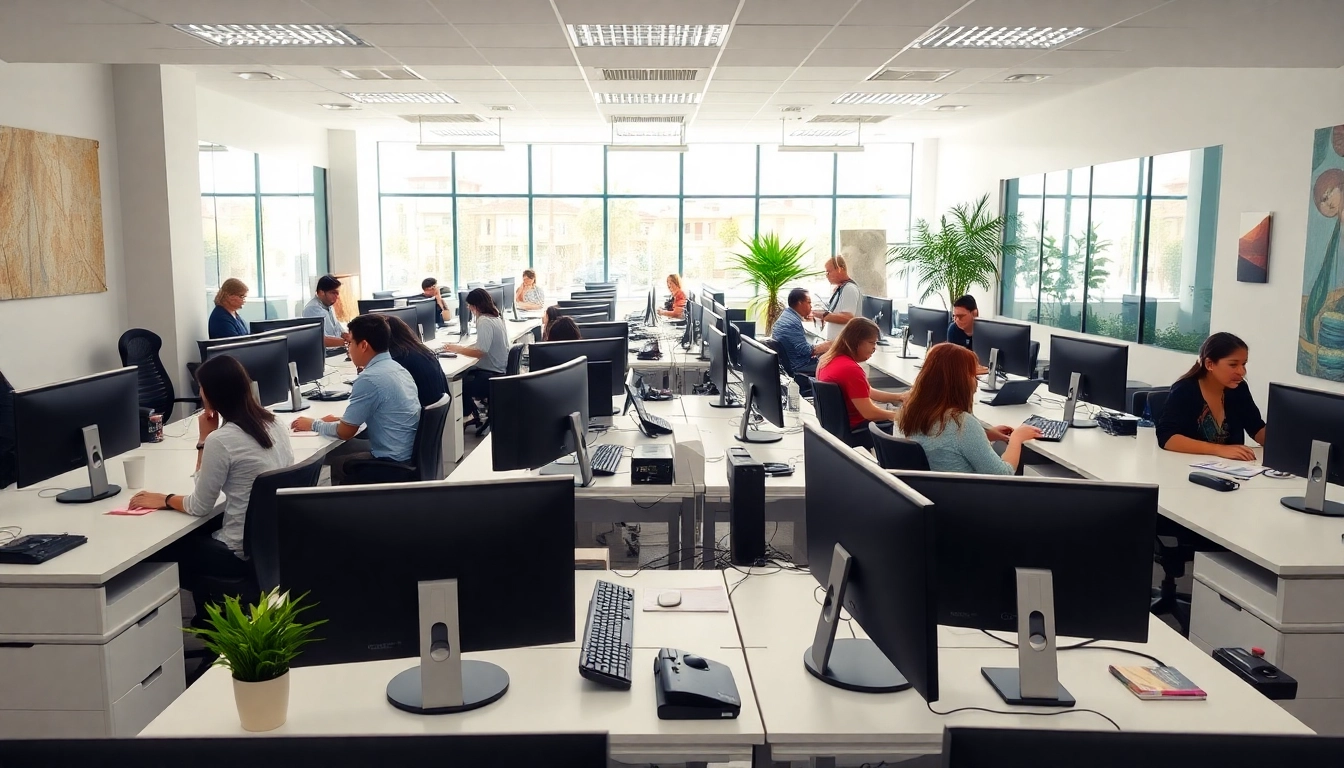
257	646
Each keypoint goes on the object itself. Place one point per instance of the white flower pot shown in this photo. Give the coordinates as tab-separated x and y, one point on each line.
262	706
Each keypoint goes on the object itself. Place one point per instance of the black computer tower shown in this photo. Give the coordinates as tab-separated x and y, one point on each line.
746	498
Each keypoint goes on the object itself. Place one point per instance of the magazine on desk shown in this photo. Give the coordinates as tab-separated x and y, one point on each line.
1239	471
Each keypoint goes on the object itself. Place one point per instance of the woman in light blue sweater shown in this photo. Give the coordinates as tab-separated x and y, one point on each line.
937	415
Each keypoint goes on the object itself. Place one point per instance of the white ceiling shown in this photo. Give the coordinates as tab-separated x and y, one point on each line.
778	53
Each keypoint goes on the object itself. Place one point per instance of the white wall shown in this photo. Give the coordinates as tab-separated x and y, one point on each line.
1263	118
227	120
50	339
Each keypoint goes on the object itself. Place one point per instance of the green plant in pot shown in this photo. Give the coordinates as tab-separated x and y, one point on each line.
965	251
257	646
769	266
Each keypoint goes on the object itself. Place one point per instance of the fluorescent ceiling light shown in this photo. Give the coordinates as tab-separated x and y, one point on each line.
999	37
913	99
819	148
1026	77
648	98
484	132
257	75
647	129
950	108
647	35
277	35
647	147
420	97
501	107
460	147
824	132
339	107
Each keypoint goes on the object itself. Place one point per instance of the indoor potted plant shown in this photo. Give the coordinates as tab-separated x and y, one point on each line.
257	646
770	266
965	251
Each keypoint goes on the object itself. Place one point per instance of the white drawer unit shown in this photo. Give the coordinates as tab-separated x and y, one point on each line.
454	443
85	613
1280	600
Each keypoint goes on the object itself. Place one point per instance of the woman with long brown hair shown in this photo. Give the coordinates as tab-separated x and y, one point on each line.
1210	410
937	415
840	366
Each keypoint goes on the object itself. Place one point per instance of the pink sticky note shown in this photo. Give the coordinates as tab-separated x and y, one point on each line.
130	511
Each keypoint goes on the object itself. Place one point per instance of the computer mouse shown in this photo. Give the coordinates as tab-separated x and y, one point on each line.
694	662
669	598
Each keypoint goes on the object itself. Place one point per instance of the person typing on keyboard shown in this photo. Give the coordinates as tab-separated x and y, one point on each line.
937	415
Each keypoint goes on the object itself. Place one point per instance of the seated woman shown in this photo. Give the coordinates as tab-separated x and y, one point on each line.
563	329
238	441
676	303
408	352
529	295
224	320
937	415
840	365
491	352
1210	409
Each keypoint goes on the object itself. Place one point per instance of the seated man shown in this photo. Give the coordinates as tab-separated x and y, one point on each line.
430	288
384	399
799	355
328	293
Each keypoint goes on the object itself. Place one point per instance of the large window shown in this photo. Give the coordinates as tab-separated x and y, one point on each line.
1123	250
265	222
580	213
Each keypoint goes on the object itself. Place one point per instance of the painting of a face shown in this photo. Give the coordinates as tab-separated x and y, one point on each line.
1331	202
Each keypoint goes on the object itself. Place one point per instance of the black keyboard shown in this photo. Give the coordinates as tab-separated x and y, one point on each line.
608	635
39	547
1051	430
606	458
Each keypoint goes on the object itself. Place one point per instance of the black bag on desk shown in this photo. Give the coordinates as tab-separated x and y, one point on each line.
8	471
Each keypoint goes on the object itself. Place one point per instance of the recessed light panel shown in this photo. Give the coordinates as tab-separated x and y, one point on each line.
821	133
999	37
647	35
912	99
950	108
340	107
273	35
422	97
1025	77
486	132
648	98
257	75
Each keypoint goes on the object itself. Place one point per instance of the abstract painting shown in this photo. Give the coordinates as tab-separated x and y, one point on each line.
1320	343
1253	248
51	215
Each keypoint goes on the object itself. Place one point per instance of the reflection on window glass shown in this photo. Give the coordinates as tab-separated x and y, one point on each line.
288	252
417	241
713	230
1179	282
721	169
881	169
565	169
796	173
643	241
492	238
491	173
643	173
568	243
285	176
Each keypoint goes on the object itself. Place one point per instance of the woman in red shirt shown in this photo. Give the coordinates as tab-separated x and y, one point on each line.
676	305
840	365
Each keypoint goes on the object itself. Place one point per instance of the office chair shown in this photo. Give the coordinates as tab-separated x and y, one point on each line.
515	362
829	403
896	452
1155	400
140	347
426	454
804	382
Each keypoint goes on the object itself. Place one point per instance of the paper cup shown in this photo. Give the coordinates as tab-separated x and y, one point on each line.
135	472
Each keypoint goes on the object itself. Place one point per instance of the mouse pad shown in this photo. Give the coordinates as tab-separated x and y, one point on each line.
693	600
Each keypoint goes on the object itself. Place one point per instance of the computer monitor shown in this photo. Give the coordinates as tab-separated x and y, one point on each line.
305	344
604	307
548	354
734	315
720	312
471	286
368	305
541	416
1307	439
600	393
597	294
1046	557
600	286
506	306
604	330
651	309
77	423
1003	348
508	280
716	343
694	316
384	294
1026	748
734	346
713	294
426	315
267	364
760	390
870	543
463	313
497	293
421	583
409	315
1090	371
879	310
928	326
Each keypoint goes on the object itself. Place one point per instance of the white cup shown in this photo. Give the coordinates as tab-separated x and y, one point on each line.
135	472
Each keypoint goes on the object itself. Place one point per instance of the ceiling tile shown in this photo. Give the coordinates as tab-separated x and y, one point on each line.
231	12
887	38
816	86
492	12
550	35
924	13
944	59
65	12
828	12
528	57
649	58
723	72
756	36
480	72
646	11
409	35
832	73
762	57
849	57
345	57
551	86
742	86
380	12
419	57
567	72
1052	13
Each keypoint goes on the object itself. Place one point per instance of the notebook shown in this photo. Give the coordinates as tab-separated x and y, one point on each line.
1158	683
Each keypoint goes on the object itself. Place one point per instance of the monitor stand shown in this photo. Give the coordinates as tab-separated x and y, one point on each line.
1035	680
296	403
98	487
992	379
854	665
747	435
1075	386
1318	473
443	682
582	468
704	348
905	344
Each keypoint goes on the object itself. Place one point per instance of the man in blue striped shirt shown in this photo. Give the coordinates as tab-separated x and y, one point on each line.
799	355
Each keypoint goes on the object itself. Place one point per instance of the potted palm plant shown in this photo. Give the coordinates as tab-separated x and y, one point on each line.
769	265
257	646
965	251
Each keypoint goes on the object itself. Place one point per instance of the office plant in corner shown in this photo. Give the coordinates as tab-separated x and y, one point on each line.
770	266
257	646
965	251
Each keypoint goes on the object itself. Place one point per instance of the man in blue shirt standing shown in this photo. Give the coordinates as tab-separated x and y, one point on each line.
383	399
328	293
799	355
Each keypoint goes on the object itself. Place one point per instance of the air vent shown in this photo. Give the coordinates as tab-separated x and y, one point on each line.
442	118
848	118
793	108
912	75
389	73
628	75
648	119
501	107
647	98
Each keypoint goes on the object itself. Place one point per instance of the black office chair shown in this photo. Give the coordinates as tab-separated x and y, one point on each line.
515	362
896	452
140	347
426	455
804	381
1154	399
829	402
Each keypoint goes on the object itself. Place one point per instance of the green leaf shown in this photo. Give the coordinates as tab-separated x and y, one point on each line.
770	266
964	252
259	644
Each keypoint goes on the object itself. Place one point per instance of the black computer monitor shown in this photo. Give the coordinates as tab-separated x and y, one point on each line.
870	543
541	416
409	315
716	343
463	313
734	315
600	286
604	330
427	315
605	308
368	305
734	346
267	364
879	310
721	313
385	600
928	325
694	316
506	305
1026	748
1306	439
205	345
1013	342
497	293
713	294
1074	556
548	354
1089	371
761	391
77	423
600	393
305	344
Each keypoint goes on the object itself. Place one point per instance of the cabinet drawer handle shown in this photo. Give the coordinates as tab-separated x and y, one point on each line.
1229	602
147	618
148	681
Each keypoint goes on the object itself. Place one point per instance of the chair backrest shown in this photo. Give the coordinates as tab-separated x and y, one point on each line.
428	452
140	347
829	402
773	345
515	361
259	527
897	452
1153	399
1157	403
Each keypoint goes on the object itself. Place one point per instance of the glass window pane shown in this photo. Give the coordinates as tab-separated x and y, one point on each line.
643	249
1057	183
717	228
492	173
797	173
568	236
403	168
285	175
1112	298
492	238
1021	279
567	169
1122	178
643	173
227	171
805	219
721	169
289	253
417	241
881	169
230	228
1061	269
1178	288
1031	185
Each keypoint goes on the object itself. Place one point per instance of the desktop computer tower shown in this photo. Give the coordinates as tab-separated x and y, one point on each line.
746	499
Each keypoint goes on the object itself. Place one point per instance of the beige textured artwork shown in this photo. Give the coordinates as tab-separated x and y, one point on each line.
51	216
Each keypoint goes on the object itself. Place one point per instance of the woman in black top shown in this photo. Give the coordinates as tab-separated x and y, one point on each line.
1210	409
406	349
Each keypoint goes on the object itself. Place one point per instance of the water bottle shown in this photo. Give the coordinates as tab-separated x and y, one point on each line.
1147	419
793	394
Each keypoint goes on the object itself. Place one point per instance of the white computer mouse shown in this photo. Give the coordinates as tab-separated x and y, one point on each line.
669	598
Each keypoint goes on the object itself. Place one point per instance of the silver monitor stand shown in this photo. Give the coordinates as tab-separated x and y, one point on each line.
1070	405
992	379
905	344
581	468
98	487
1035	680
1318	473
